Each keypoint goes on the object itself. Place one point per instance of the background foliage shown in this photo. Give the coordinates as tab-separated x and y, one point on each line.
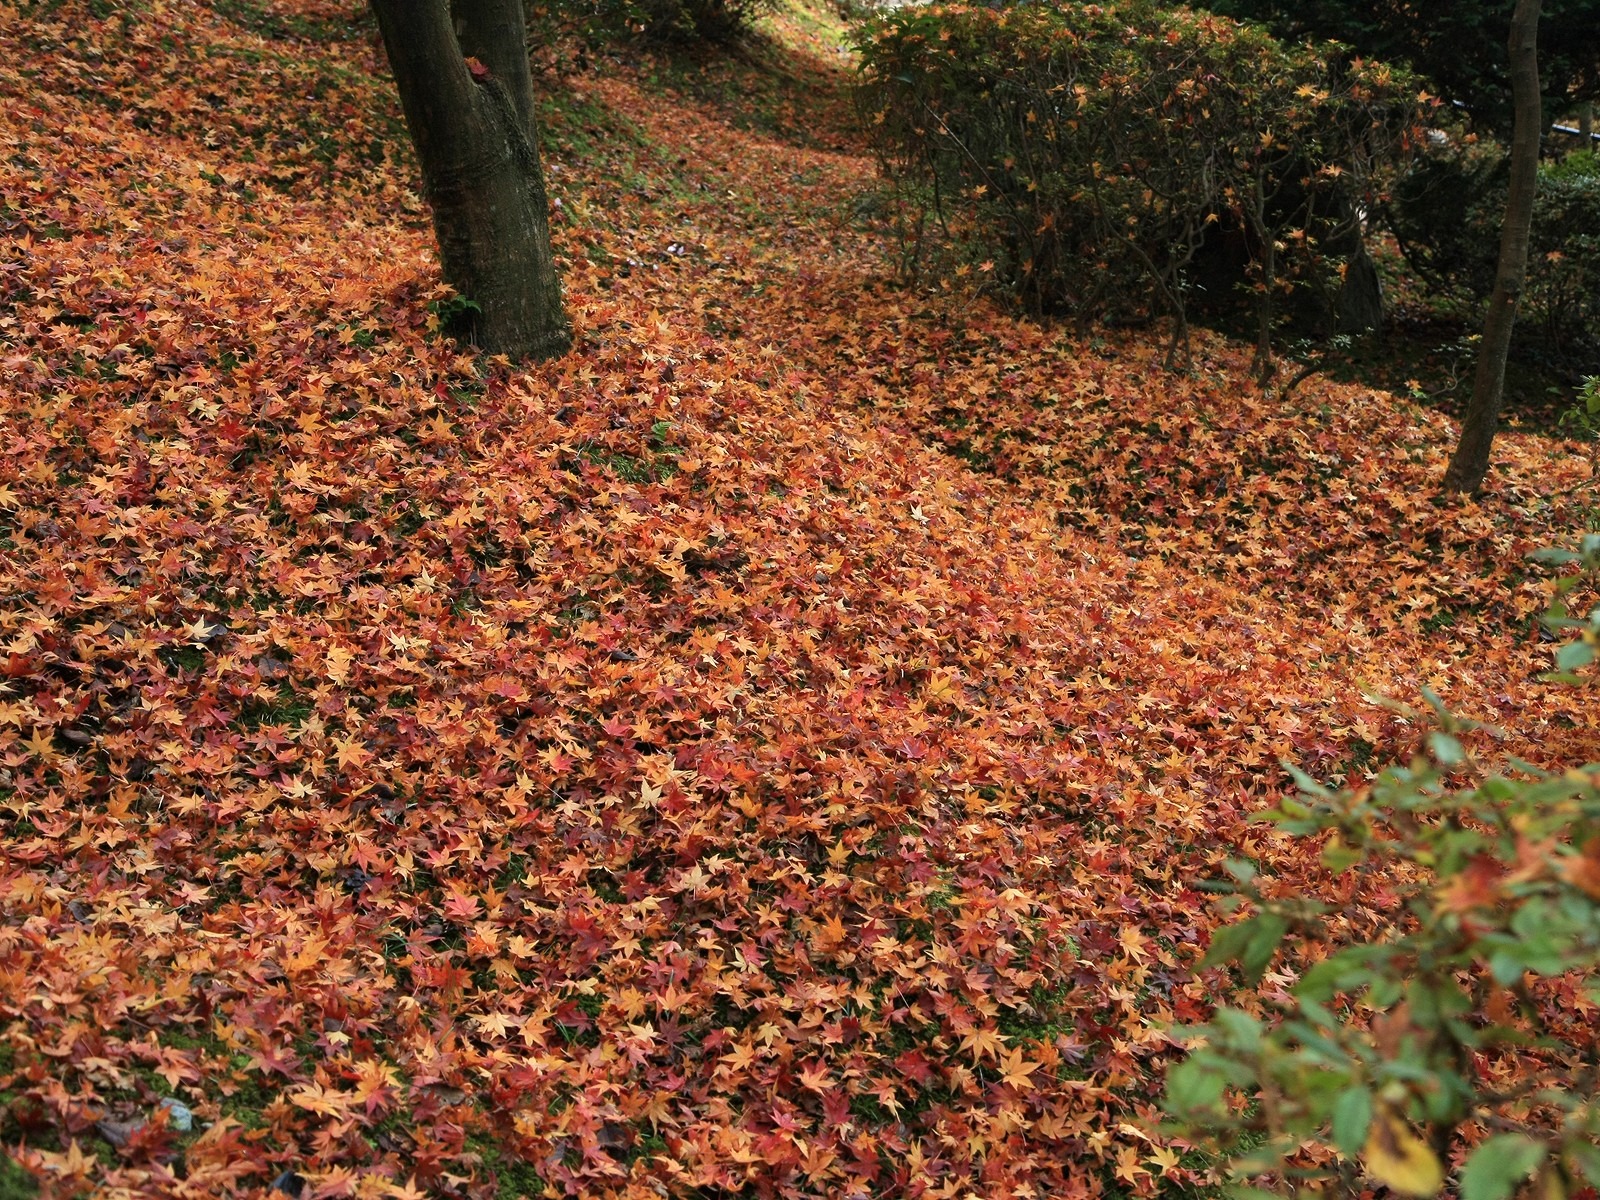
681	22
1447	212
1091	152
1458	46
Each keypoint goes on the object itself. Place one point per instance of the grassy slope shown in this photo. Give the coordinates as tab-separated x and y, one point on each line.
664	768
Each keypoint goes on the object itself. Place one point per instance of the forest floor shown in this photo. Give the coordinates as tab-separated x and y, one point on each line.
769	751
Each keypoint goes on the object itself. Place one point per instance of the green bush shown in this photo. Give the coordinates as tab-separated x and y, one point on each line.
1087	152
1582	420
681	21
1564	284
1446	212
702	20
1467	1022
857	10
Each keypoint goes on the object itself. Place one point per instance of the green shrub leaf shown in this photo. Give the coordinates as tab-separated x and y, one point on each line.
1497	1166
1352	1115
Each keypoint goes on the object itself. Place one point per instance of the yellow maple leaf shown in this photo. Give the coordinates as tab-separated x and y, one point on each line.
337	663
309	957
830	933
983	1041
1400	1160
328	1102
1014	1069
1166	1158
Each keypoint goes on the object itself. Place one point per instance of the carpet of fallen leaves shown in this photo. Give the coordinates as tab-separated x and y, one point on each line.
771	751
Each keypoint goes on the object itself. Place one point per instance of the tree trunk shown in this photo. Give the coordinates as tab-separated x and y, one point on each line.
1470	463
474	134
1267	266
1358	308
1586	125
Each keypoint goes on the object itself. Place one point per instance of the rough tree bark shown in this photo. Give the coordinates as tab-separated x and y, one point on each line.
1358	308
1470	463
473	129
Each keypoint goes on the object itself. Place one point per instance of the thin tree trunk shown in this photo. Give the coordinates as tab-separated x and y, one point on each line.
1257	213
1586	125
1470	463
1358	308
474	135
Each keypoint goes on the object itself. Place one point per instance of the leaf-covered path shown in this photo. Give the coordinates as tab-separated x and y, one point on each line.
769	751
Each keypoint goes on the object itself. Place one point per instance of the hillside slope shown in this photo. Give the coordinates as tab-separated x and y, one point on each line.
769	751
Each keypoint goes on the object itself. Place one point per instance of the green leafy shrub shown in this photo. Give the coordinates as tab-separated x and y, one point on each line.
1564	285
597	22
704	20
1469	1020
1583	419
1087	152
857	10
1446	212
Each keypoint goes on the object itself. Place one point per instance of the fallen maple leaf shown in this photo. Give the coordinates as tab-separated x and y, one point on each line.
1400	1160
